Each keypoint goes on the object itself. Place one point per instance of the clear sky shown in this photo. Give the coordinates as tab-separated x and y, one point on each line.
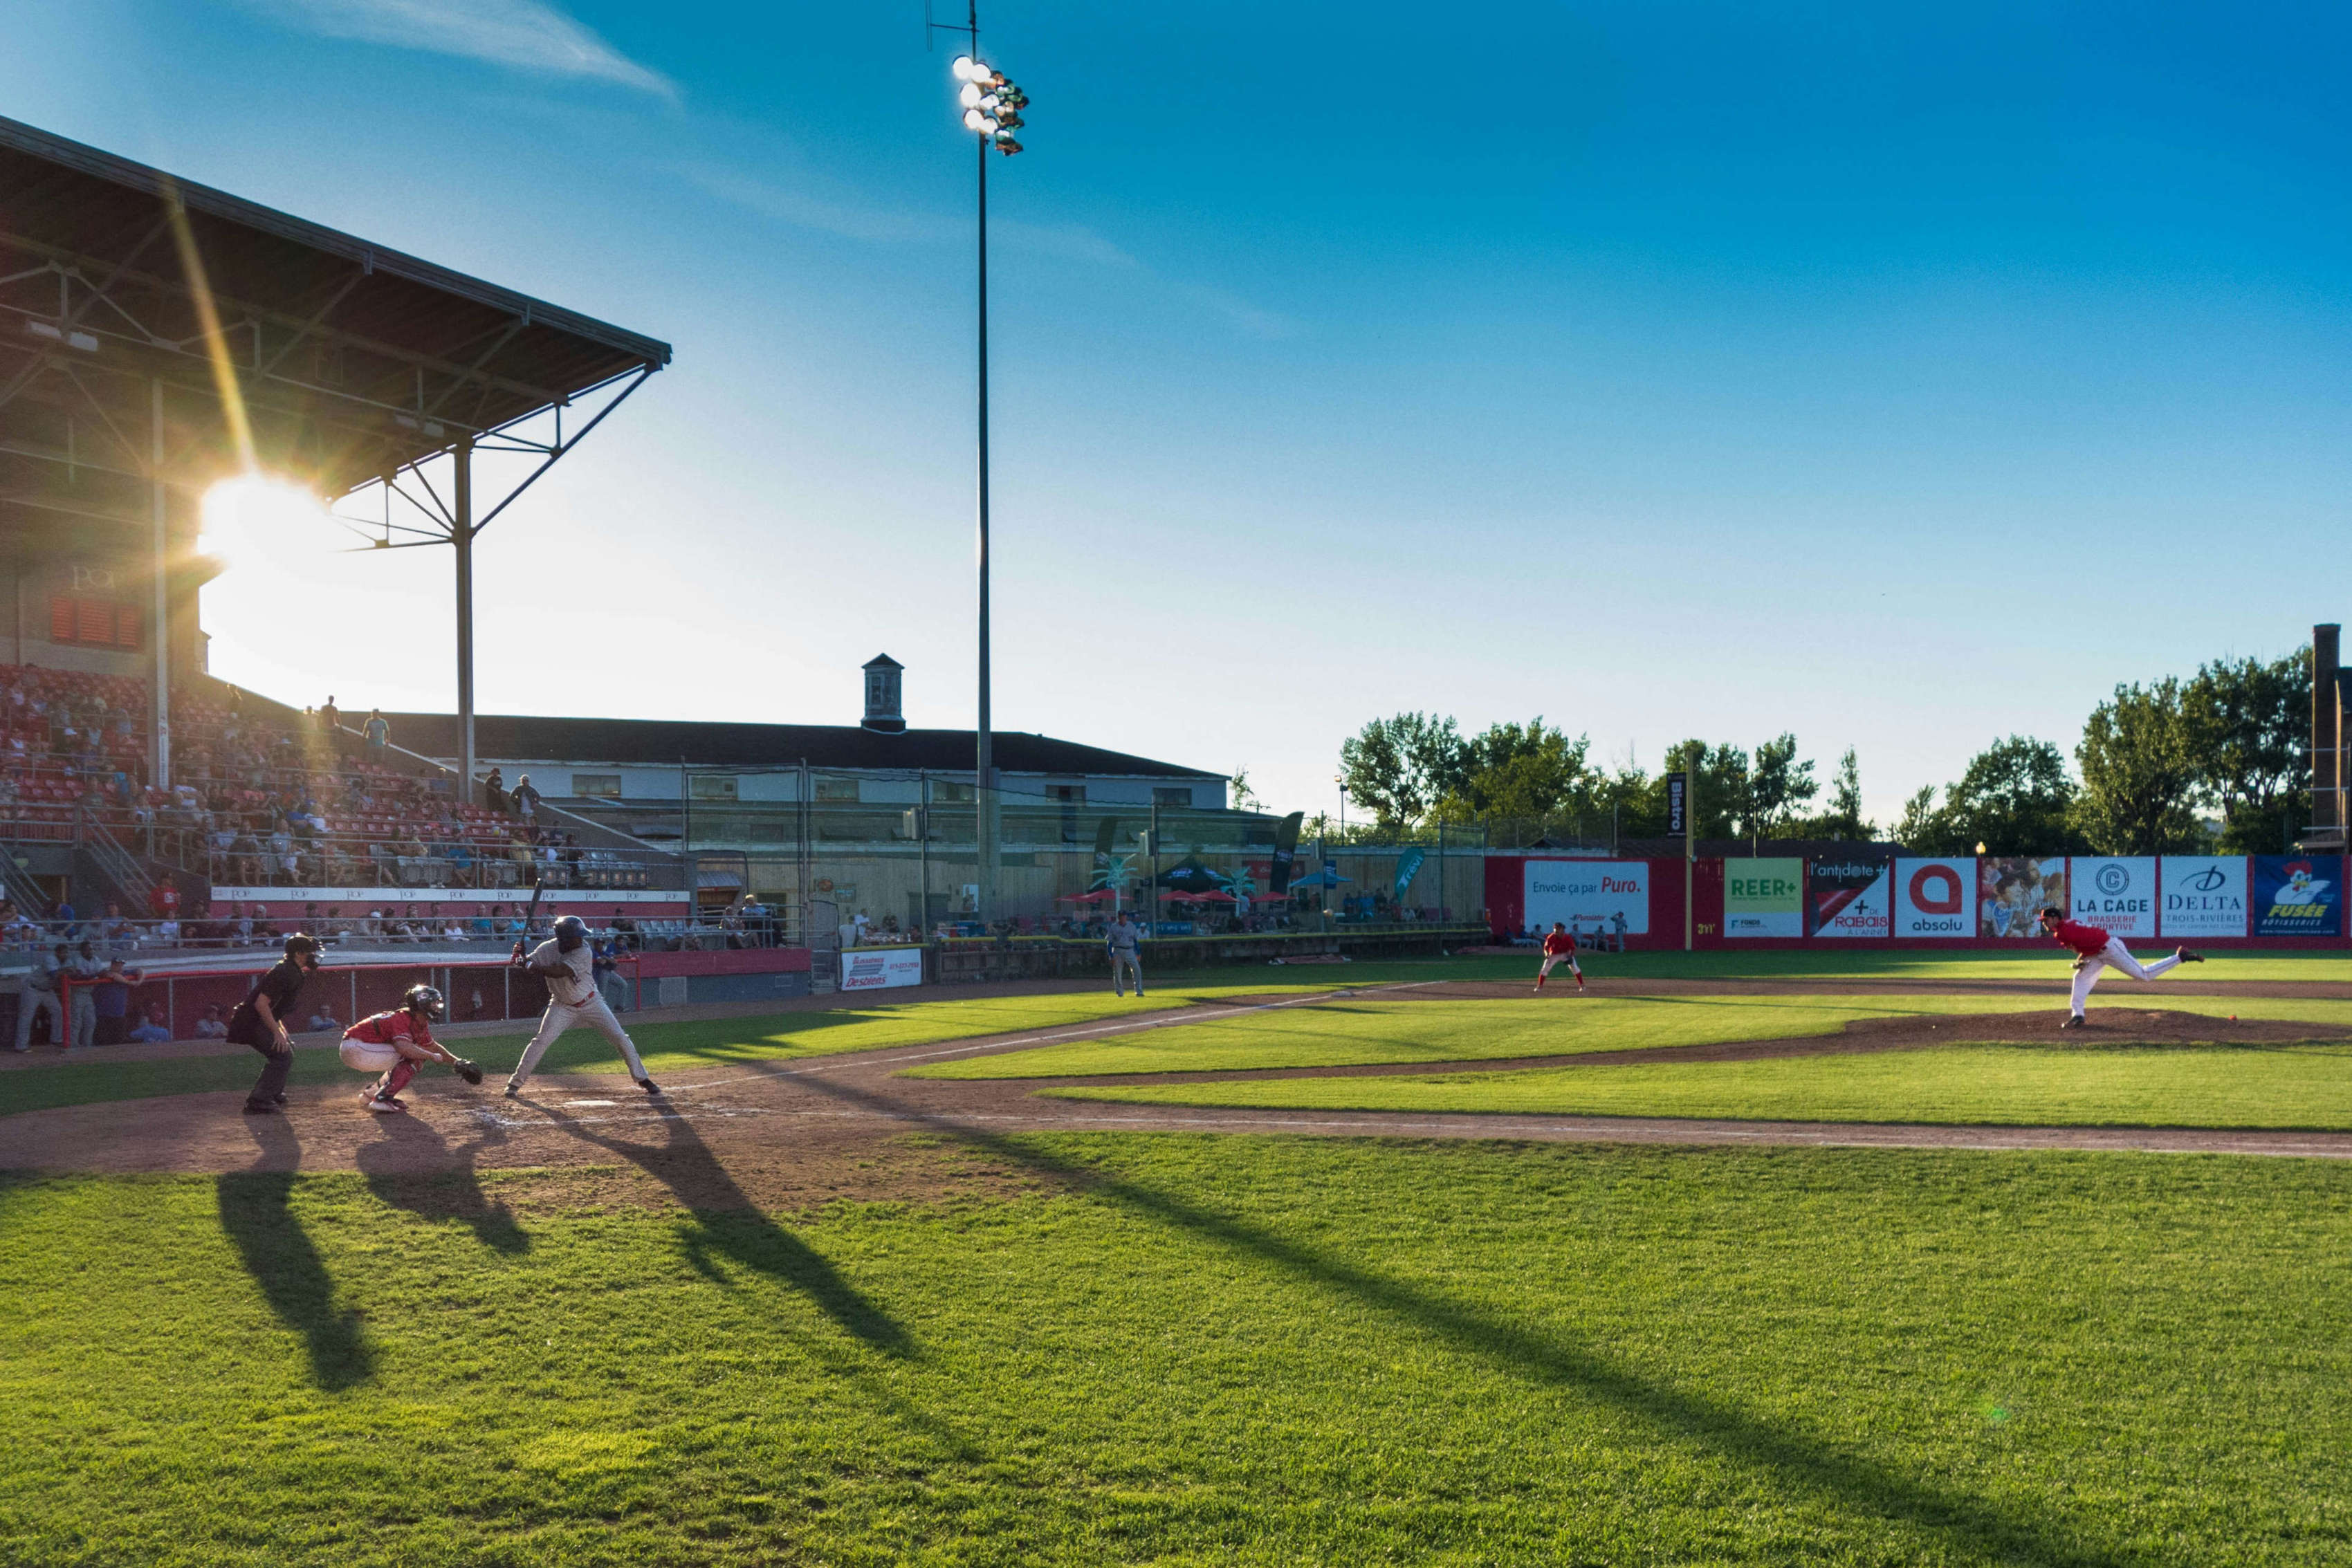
1899	376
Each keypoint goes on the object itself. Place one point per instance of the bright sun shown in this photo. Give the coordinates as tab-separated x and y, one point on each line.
258	512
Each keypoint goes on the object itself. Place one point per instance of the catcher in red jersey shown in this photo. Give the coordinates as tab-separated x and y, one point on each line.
395	1044
1559	947
2095	951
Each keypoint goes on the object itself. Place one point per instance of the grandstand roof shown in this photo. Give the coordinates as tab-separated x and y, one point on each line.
667	742
353	359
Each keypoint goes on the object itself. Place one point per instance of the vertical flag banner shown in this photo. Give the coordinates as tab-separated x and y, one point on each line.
2298	896
2013	889
1677	803
1613	894
1408	867
1850	898
1935	897
1763	898
2201	896
2115	893
1286	853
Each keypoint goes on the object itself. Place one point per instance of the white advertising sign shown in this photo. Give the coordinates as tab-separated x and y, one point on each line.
878	968
1850	901
2117	893
1571	892
1935	897
2203	896
359	900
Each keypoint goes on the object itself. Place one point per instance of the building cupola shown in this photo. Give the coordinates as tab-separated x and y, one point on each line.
882	673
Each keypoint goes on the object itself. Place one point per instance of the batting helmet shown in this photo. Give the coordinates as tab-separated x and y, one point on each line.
426	1000
297	944
570	932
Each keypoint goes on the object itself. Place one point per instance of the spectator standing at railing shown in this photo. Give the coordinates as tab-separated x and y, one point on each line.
494	791
40	996
379	734
331	717
111	996
526	798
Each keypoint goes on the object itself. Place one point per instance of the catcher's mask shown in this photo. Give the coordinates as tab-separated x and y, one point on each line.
425	999
299	944
570	932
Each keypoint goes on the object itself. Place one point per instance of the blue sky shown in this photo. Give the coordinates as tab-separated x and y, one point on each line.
1901	379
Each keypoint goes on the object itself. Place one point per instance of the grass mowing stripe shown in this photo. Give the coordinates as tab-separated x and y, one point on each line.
1253	1351
2298	1087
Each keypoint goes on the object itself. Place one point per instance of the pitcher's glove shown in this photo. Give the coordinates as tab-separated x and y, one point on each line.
2079	962
467	1070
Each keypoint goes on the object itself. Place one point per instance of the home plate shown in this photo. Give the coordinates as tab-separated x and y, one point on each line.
587	1104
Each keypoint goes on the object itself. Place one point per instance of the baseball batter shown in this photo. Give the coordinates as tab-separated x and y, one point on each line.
567	964
1559	947
395	1044
1125	954
2096	952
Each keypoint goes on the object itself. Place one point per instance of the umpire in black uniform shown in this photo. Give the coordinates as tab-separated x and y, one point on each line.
259	1021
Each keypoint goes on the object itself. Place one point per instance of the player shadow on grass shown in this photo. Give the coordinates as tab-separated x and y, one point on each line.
730	1228
1849	1479
257	1214
453	1191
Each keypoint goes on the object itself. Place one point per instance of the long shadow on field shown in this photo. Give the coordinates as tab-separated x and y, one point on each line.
728	1224
1858	1483
256	1214
454	1193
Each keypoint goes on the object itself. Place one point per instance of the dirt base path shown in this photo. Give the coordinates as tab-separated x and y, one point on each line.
806	1132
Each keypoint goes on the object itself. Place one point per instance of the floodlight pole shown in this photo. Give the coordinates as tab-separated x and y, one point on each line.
461	534
985	777
159	774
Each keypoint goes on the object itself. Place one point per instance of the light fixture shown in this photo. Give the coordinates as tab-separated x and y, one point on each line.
966	67
974	119
970	96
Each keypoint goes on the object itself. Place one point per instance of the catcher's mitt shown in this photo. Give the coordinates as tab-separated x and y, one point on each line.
467	1070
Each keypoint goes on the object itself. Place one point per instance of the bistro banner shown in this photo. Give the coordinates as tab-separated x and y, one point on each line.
2115	893
1763	898
1935	897
2013	889
1850	898
2298	896
2202	896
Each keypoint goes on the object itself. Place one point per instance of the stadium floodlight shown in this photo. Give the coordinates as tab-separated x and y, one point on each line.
969	97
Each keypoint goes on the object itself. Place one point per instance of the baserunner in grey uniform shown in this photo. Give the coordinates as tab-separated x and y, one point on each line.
1126	954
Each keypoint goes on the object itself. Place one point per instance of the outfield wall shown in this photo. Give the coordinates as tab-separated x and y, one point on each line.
1925	901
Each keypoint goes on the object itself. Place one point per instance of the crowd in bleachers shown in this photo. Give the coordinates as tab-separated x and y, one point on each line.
256	802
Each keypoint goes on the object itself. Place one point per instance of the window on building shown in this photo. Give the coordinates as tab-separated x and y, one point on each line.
92	622
1068	794
597	786
840	790
1165	796
944	793
714	786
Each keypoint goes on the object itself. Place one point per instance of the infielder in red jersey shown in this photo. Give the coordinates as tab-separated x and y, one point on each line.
1559	947
2096	950
395	1044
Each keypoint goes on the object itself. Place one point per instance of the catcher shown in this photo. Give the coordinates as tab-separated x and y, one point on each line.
395	1044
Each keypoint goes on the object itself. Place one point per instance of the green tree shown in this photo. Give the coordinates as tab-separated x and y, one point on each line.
1776	785
1245	798
2141	778
1720	788
2014	798
1923	829
1399	768
1521	770
1844	820
2250	729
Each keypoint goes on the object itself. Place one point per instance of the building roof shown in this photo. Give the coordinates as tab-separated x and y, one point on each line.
656	742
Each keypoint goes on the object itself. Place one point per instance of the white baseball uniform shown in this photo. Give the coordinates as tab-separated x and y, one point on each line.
572	997
1126	958
2116	956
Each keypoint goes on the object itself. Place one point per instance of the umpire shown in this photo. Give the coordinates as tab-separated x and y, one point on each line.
259	1021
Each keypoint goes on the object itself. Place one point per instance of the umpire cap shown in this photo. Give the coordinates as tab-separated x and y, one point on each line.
297	944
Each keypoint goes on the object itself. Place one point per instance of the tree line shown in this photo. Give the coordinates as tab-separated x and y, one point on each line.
2233	741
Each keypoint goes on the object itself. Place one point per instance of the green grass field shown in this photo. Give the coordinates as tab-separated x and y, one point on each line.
663	1046
2028	961
1254	1351
1359	1031
2307	1086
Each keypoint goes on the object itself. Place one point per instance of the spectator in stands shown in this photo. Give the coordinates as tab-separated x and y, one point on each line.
40	999
111	997
526	798
167	932
323	1018
461	863
153	1029
379	734
331	717
62	919
18	930
480	926
241	923
861	925
494	791
212	1026
83	970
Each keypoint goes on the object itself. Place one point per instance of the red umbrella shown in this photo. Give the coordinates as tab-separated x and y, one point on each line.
1212	897
1097	896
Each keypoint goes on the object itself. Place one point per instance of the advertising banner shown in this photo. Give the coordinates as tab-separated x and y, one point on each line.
1763	898
2115	893
2013	889
1850	898
2298	896
1286	851
1616	894
878	968
2202	896
1408	867
1935	897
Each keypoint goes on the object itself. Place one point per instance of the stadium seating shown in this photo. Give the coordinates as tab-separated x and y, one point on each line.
256	802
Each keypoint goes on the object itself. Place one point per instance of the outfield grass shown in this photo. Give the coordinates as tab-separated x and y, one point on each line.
2306	1086
1231	1351
87	1077
1365	1030
2027	961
